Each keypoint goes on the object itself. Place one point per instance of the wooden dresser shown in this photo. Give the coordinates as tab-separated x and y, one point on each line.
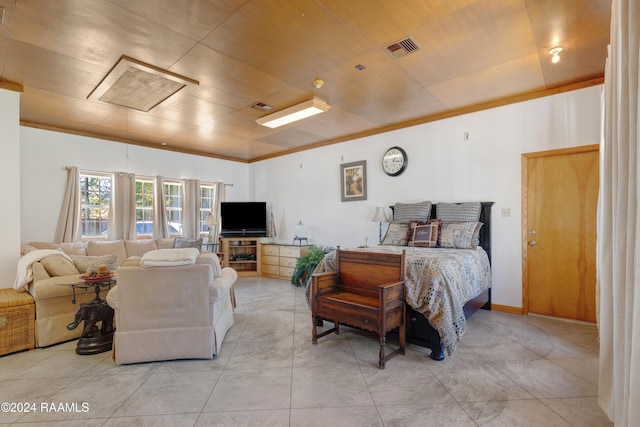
279	260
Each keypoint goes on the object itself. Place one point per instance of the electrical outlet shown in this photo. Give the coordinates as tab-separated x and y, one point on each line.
506	212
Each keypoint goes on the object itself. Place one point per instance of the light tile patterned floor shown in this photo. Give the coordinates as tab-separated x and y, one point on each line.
509	370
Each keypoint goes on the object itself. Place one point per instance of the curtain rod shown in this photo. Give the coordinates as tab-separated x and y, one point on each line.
105	173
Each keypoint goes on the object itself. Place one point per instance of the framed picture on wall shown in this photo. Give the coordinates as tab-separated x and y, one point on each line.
353	177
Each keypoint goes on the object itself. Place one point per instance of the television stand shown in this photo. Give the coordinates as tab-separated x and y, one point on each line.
241	254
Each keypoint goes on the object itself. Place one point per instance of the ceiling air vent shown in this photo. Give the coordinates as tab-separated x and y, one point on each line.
261	106
402	47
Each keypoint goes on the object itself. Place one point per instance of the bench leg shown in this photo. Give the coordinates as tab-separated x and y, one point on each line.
314	331
381	356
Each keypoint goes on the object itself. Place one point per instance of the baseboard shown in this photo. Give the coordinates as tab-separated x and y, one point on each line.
506	308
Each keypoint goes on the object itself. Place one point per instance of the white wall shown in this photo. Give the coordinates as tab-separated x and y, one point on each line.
9	176
306	186
45	154
442	167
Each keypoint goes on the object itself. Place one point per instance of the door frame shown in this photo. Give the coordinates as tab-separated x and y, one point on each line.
525	198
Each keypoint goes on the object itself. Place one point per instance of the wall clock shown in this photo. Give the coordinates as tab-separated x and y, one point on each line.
394	161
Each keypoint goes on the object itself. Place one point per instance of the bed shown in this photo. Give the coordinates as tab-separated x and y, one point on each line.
444	286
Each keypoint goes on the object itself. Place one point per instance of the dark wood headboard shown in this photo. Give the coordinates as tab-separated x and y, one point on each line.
485	231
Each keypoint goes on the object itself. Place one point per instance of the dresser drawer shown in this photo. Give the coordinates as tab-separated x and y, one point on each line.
270	250
272	270
288	262
290	251
286	271
270	260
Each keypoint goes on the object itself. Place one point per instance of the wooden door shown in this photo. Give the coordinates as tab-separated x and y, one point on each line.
559	232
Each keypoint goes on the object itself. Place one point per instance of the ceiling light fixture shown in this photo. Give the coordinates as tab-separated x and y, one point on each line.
294	113
138	85
318	83
555	54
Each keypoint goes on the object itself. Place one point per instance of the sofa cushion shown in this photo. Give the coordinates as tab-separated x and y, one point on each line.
184	242
58	266
86	264
44	245
69	248
139	247
108	247
165	243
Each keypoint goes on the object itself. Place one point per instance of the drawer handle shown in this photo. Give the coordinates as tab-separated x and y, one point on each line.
324	309
3	322
366	320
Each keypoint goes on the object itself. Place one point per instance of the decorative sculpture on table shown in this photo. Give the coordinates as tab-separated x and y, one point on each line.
92	313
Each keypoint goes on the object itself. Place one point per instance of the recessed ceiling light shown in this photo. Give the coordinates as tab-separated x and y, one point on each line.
555	54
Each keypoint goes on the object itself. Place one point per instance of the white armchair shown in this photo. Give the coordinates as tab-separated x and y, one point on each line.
176	312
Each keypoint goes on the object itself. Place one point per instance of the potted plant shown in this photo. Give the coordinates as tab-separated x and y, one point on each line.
307	263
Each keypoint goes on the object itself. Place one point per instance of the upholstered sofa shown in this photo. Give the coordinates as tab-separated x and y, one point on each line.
48	274
165	312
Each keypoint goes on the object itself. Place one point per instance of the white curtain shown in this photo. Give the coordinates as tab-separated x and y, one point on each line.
68	228
191	208
160	226
618	251
215	209
122	207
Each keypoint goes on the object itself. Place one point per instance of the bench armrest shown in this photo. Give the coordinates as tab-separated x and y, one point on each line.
391	294
324	282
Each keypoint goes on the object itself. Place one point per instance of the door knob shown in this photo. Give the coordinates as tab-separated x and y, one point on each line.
532	242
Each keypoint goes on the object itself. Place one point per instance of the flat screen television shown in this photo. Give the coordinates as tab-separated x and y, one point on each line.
243	219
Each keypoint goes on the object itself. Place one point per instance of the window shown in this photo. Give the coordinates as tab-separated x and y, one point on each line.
95	196
173	204
144	206
207	202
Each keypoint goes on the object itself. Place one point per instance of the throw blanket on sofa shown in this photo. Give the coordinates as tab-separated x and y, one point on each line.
25	271
169	257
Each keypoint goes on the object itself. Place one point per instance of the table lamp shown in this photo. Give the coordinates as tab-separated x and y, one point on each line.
211	221
380	216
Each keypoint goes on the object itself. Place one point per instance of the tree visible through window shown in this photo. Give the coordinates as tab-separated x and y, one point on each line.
95	196
144	206
173	204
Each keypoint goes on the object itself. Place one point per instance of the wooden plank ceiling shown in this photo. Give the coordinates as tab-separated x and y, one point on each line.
473	54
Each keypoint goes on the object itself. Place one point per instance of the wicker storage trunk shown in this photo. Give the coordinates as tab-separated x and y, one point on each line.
17	321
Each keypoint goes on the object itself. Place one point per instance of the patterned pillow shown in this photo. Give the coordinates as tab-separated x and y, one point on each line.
87	264
459	212
459	234
184	242
405	212
397	234
425	235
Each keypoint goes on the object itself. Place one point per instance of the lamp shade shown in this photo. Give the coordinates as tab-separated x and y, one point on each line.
380	215
210	220
300	230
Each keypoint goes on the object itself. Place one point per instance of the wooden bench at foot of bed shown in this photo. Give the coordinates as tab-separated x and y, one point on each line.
366	292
